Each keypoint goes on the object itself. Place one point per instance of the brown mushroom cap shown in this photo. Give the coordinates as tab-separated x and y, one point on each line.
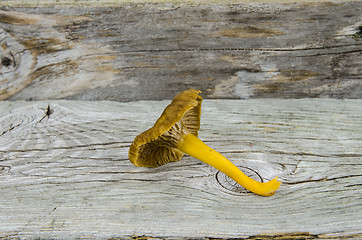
157	145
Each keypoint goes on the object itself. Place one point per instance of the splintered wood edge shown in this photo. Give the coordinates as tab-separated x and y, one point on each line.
105	3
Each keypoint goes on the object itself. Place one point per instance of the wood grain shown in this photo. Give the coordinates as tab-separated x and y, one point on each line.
65	173
152	51
113	3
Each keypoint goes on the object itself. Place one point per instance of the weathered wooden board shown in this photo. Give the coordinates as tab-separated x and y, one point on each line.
65	173
115	3
151	51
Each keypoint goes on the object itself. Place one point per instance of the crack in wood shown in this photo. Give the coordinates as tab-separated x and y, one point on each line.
89	145
10	128
250	49
296	167
277	236
300	236
49	111
325	179
331	53
346	155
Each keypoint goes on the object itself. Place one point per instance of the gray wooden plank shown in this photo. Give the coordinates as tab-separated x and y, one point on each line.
65	173
113	3
152	51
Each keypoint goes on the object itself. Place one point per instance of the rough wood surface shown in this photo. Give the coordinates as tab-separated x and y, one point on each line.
65	173
115	3
151	51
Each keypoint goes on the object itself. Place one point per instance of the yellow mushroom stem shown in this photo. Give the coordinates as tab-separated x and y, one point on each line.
193	146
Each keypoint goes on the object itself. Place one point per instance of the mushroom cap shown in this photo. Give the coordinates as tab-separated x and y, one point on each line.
157	145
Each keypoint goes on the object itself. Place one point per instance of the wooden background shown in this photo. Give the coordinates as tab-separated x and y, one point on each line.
152	51
282	89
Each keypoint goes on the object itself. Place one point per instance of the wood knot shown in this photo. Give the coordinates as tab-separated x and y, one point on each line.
231	186
358	33
5	61
16	63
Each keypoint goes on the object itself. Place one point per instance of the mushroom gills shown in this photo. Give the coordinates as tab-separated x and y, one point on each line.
196	148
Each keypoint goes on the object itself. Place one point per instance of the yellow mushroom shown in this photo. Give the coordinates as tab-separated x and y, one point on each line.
175	133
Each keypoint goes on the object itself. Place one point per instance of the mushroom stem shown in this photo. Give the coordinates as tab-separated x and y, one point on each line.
198	149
